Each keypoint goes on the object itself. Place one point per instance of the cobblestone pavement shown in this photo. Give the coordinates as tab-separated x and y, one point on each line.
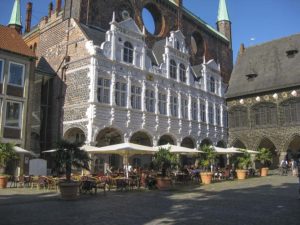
270	200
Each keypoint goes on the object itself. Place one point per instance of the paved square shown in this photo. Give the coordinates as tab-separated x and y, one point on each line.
270	200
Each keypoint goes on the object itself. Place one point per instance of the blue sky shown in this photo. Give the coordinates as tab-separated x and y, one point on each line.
253	21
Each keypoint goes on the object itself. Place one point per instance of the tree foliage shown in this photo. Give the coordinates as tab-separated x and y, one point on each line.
164	160
70	155
264	156
7	154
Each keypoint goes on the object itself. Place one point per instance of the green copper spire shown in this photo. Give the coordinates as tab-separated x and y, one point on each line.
223	13
15	18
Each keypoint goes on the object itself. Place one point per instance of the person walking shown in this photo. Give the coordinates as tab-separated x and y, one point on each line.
298	166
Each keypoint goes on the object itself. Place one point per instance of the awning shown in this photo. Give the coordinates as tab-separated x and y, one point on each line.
20	150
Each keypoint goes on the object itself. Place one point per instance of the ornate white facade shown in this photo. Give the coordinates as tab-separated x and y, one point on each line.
131	93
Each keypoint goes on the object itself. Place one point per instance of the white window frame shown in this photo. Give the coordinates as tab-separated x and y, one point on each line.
150	100
174	106
2	71
103	87
23	75
203	112
182	73
211	114
212	84
136	97
218	116
121	94
184	108
128	54
194	110
20	114
162	103
173	69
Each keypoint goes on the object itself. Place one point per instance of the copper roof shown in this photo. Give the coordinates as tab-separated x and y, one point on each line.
11	40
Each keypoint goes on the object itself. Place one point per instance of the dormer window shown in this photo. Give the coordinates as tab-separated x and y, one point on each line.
291	53
182	73
128	52
173	68
251	76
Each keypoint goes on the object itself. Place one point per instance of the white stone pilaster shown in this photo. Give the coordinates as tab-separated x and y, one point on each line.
143	106
129	106
112	89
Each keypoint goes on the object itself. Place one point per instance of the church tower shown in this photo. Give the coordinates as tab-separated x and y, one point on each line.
223	22
15	19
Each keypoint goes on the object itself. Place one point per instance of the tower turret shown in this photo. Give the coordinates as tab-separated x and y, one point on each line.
223	22
15	19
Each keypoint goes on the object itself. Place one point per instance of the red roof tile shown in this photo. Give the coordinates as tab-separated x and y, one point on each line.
11	40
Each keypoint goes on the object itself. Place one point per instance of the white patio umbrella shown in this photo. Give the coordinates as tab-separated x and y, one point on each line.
179	149
20	150
226	151
247	150
124	149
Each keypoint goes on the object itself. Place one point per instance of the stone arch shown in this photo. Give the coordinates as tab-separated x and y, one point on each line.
75	134
165	139
221	144
142	138
265	142
292	146
206	141
109	136
188	142
238	144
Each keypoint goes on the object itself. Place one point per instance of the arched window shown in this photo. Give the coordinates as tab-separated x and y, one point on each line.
238	117
182	73
128	52
212	85
291	111
264	114
173	68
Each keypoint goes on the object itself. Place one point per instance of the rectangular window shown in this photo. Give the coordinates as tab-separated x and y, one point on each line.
211	114
120	94
1	70
136	97
194	111
162	103
203	112
184	108
174	106
150	101
13	114
16	74
103	91
225	119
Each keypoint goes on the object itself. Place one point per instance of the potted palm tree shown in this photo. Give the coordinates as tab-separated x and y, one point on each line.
264	155
68	156
163	161
243	163
206	161
7	154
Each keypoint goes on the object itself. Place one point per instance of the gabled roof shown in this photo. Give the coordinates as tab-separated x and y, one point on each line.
93	33
11	41
266	67
129	24
159	49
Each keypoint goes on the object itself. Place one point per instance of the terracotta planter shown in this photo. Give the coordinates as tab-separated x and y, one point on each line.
241	174
163	183
69	190
206	177
3	181
264	172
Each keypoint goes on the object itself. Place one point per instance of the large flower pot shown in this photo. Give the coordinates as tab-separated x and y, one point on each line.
3	181
206	177
69	190
264	172
163	183
241	174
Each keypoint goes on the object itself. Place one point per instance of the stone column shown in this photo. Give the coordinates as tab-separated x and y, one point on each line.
129	106
112	89
143	106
